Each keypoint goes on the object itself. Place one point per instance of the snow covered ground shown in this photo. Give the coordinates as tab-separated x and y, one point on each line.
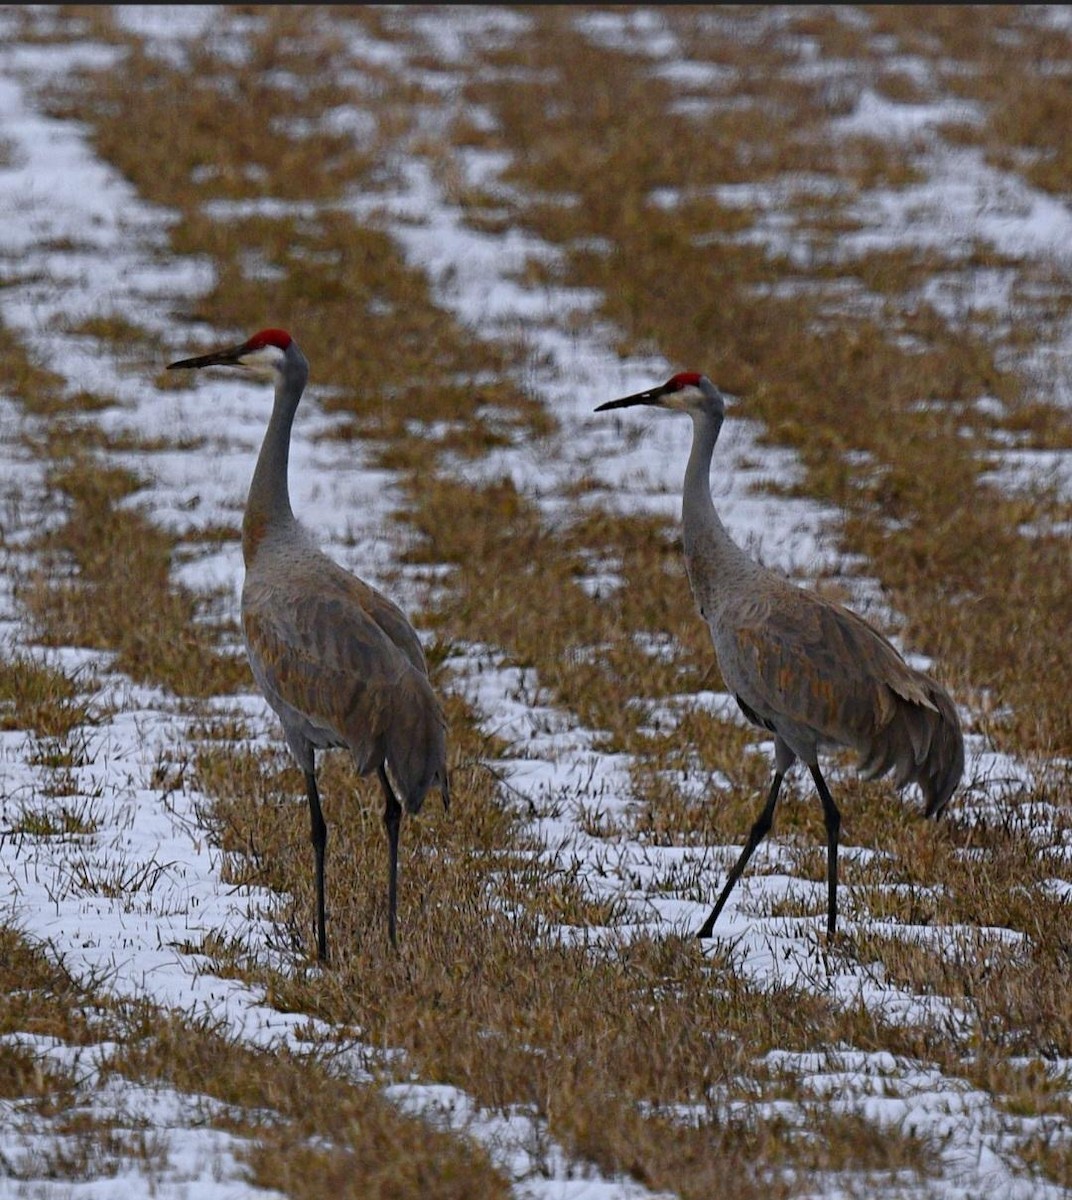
55	193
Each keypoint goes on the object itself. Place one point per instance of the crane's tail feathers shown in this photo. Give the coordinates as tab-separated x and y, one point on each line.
946	761
920	744
415	744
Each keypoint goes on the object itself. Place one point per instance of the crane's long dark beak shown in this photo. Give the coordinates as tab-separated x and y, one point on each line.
231	357
653	396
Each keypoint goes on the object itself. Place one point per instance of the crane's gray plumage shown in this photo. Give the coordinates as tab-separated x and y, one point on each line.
808	670
337	661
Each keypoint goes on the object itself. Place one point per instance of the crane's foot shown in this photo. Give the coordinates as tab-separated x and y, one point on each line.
706	930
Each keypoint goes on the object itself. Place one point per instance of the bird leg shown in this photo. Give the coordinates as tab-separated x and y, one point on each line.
758	832
833	823
392	818
319	831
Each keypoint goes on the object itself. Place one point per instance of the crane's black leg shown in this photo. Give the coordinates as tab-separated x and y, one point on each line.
392	818
833	823
319	831
758	832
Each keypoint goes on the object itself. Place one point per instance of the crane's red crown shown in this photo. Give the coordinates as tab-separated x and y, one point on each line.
269	337
683	380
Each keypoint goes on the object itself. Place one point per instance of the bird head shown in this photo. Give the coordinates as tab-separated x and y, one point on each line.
686	392
265	355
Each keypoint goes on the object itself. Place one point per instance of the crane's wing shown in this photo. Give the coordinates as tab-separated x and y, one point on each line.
808	668
801	659
344	659
386	614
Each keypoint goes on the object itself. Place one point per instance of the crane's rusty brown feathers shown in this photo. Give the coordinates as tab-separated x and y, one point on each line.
805	662
346	659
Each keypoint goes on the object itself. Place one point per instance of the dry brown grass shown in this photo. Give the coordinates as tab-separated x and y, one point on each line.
309	1132
602	1034
302	1127
120	596
38	697
1026	107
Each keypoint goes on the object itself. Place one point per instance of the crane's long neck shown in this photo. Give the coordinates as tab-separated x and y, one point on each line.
268	504
713	558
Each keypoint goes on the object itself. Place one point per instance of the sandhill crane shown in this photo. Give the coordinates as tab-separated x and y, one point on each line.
336	660
811	672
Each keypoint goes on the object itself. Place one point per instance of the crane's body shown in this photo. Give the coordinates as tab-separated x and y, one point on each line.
811	672
336	660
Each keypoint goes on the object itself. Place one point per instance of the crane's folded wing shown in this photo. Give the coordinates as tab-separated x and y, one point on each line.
332	665
820	666
815	672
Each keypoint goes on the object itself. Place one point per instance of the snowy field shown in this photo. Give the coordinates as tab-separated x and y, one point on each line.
75	240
